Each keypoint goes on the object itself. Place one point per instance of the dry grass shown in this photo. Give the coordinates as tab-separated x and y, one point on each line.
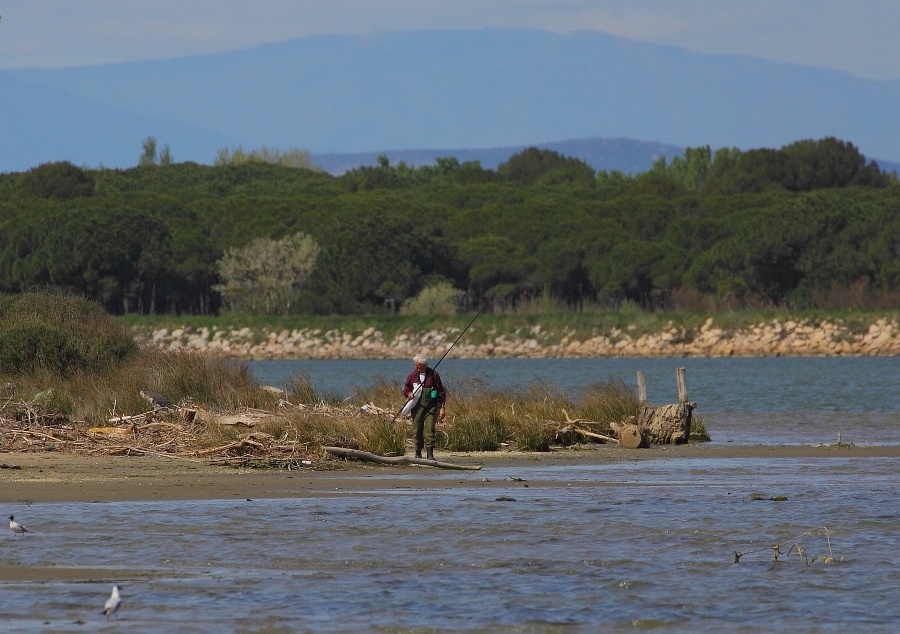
182	377
482	419
51	404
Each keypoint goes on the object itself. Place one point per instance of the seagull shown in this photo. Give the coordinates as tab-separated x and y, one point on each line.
112	603
17	528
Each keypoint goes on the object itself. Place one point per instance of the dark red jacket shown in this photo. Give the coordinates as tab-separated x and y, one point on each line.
432	380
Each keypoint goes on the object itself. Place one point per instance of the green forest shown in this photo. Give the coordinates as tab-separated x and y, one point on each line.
809	225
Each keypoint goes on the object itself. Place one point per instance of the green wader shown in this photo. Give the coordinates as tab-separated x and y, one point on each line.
424	418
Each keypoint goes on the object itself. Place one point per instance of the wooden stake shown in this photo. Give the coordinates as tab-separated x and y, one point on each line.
642	387
682	385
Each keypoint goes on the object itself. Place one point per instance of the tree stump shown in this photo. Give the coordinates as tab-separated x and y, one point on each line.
666	424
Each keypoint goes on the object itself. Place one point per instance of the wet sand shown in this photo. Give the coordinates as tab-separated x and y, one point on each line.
43	477
67	478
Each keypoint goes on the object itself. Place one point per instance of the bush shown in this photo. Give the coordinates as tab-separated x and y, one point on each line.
441	299
58	334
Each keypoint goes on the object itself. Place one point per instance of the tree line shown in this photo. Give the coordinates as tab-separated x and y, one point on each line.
258	234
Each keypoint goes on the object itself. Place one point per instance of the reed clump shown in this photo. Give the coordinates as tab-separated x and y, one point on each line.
484	419
699	432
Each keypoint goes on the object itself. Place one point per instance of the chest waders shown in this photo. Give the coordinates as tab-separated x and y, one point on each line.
425	418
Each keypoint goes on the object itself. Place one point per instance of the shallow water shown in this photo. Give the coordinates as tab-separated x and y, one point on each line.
782	400
613	547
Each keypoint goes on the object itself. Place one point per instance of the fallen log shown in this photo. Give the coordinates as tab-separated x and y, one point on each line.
341	452
590	434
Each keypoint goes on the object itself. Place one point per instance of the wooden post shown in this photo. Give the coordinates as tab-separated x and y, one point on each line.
682	385
642	387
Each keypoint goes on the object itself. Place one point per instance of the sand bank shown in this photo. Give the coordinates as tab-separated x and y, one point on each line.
68	478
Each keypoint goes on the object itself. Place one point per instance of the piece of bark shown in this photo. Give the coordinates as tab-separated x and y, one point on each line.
341	452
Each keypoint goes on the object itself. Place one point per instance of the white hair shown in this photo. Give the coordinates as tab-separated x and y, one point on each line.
420	358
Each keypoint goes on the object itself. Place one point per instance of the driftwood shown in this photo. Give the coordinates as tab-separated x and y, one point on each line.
590	434
585	432
666	424
630	435
341	452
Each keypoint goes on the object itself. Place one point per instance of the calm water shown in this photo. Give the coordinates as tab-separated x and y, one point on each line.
746	401
614	547
619	547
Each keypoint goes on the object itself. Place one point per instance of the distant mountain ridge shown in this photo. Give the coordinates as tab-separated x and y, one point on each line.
626	155
490	88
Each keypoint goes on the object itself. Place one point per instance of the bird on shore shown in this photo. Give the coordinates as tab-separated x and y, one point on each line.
113	602
157	401
17	528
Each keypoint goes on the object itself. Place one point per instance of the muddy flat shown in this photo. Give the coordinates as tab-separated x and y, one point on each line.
70	478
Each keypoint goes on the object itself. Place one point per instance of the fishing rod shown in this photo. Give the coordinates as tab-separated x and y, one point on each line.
445	354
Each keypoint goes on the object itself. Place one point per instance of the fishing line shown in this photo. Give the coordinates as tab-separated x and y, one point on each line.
446	353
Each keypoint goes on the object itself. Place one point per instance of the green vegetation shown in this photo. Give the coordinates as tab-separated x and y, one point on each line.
810	225
63	359
66	356
546	328
59	335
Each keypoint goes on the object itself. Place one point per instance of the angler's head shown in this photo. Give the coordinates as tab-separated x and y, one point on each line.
421	362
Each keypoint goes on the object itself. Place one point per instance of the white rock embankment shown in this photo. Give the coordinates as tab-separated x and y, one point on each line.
774	338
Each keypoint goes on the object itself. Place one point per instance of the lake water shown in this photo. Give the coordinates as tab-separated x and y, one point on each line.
623	546
619	547
747	401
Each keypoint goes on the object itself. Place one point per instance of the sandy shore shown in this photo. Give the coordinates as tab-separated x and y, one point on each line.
67	478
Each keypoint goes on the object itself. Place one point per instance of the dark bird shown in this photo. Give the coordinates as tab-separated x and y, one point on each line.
158	401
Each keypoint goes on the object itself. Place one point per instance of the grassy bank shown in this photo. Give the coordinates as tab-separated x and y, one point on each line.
72	379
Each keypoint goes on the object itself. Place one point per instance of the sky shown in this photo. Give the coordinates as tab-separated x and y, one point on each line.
855	36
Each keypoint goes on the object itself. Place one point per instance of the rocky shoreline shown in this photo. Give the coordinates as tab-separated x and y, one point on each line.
765	339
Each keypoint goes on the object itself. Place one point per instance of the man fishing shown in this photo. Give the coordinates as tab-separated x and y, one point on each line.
424	385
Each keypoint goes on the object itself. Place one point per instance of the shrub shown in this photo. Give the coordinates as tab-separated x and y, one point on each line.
440	299
58	334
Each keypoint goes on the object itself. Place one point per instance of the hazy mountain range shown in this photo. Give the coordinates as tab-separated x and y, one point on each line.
436	89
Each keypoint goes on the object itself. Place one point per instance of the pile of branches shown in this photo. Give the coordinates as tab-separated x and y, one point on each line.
568	432
171	433
177	432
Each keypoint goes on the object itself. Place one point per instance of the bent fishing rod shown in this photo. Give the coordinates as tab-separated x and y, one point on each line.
393	420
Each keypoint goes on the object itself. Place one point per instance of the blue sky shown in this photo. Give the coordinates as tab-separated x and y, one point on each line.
855	36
